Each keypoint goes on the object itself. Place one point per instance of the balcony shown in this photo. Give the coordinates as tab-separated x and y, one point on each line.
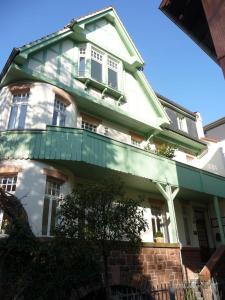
67	145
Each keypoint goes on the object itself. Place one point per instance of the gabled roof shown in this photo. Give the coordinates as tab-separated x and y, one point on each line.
214	124
110	13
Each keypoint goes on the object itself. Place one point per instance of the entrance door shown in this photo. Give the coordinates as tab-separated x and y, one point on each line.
202	235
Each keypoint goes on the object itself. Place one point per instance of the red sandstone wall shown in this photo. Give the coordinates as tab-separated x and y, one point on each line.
154	265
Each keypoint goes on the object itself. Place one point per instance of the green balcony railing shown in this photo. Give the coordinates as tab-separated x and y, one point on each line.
73	144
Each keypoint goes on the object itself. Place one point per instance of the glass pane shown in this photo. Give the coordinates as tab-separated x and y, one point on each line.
22	117
62	120
12	118
96	70
112	78
82	66
55	117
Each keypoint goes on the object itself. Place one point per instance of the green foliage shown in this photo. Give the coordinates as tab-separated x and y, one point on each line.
166	150
44	270
100	213
158	234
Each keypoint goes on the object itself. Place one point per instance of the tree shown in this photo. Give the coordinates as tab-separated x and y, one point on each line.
101	214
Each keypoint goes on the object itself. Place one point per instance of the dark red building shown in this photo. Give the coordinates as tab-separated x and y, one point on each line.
203	21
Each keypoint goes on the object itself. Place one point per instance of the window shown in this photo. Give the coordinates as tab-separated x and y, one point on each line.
89	126
182	124
96	65
8	183
53	192
106	131
159	223
81	68
112	73
135	143
59	114
18	111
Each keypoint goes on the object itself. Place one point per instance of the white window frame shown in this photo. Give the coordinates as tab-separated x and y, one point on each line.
14	178
60	109
52	198
89	126
106	60
135	143
182	123
159	214
82	54
19	101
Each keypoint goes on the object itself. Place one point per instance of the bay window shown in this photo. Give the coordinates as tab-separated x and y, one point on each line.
96	65
99	66
112	73
81	68
18	111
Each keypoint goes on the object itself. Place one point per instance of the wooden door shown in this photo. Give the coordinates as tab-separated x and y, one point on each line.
202	235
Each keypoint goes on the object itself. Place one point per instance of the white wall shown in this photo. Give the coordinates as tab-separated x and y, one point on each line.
40	107
30	188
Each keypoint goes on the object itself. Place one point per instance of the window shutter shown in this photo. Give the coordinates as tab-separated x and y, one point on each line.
45	216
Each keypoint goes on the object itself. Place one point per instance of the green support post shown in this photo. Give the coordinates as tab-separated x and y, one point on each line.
169	197
218	216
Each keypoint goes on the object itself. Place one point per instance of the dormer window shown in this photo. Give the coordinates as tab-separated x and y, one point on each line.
112	73
182	124
96	65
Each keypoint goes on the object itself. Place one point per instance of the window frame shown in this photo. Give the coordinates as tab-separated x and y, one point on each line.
18	112
182	123
103	58
50	205
61	114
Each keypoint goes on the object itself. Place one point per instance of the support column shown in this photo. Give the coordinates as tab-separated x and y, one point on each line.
169	197
219	220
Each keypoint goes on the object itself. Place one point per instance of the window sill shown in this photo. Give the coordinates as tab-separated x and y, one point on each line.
104	88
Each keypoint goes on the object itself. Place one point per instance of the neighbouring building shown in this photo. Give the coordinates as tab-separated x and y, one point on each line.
203	21
75	105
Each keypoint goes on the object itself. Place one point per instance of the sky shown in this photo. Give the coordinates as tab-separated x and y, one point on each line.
174	65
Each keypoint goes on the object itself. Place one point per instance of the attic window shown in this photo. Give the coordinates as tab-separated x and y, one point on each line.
96	65
112	73
81	67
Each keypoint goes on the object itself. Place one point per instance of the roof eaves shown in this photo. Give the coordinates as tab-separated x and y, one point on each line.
214	124
166	100
12	55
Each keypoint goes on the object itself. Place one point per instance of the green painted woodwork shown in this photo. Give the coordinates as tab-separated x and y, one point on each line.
219	220
169	196
68	144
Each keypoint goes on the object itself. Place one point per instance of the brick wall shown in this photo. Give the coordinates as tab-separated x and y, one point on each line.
154	265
